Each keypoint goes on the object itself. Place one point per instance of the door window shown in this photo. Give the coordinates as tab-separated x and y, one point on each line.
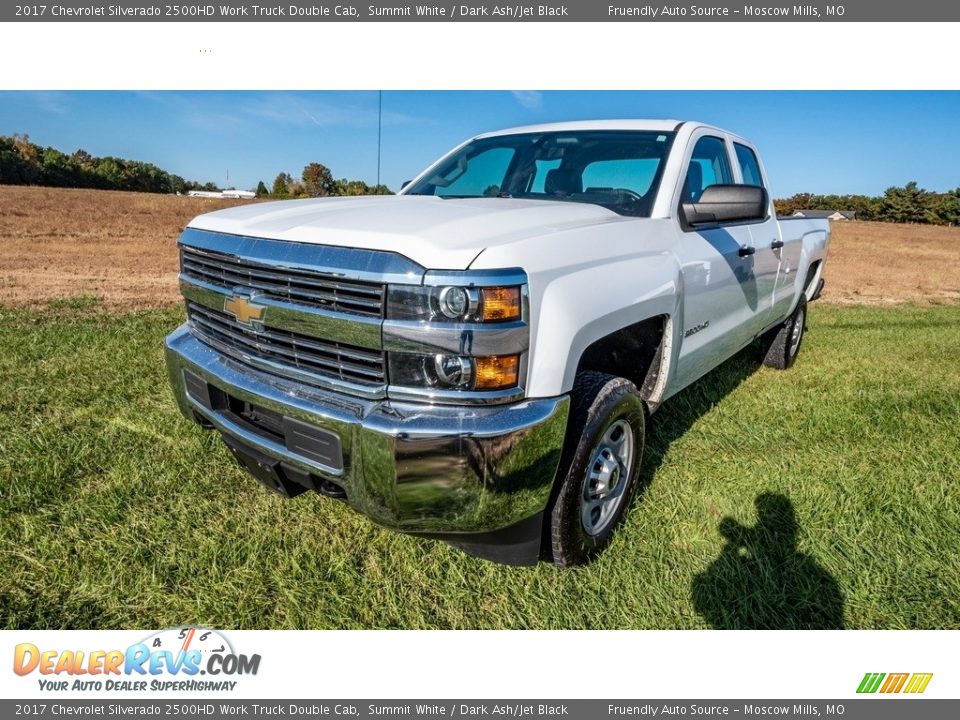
709	165
749	167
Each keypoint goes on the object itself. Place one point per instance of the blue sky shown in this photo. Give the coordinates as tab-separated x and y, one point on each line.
825	142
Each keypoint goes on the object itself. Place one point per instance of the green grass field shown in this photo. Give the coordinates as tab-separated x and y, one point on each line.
825	496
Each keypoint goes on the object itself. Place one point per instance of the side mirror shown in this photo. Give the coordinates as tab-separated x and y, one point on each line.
727	203
405	183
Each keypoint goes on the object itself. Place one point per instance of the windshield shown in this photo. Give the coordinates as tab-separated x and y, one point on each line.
619	170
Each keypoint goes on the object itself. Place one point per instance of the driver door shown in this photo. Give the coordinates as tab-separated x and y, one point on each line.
720	294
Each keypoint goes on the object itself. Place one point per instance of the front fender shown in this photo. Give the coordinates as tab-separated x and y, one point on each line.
586	283
581	307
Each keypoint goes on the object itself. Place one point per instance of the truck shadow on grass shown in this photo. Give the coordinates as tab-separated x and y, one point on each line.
760	580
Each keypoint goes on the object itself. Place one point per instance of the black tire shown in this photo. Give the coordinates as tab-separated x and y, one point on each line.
609	409
780	345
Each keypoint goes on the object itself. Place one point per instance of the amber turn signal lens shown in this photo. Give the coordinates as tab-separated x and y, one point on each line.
496	371
501	303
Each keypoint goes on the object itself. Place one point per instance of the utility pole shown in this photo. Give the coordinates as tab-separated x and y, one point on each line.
379	130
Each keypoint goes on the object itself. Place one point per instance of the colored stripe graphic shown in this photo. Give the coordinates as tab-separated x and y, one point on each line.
870	682
894	682
918	682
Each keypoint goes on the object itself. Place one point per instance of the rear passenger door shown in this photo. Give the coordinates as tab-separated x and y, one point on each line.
764	239
720	297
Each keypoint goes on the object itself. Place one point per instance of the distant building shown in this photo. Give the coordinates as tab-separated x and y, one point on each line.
238	194
826	214
231	193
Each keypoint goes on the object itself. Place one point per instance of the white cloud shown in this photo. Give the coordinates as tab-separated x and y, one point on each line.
302	109
50	101
528	99
214	112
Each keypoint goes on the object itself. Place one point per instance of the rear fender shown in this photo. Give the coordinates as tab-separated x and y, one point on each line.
813	253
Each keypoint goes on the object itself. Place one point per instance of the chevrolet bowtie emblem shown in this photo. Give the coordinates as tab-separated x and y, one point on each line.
243	310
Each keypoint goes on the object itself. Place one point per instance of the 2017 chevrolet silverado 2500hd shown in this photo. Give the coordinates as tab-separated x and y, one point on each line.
475	358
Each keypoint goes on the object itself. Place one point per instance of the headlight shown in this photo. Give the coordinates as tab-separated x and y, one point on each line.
451	303
454	302
461	336
454	372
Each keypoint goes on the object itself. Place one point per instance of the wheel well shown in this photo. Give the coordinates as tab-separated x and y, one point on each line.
812	273
634	352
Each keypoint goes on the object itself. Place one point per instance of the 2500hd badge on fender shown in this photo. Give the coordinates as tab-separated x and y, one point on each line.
475	359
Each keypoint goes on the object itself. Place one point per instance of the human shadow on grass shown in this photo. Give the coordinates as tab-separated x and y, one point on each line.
761	581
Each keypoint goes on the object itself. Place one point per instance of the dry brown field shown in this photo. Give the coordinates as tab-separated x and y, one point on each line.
117	246
120	247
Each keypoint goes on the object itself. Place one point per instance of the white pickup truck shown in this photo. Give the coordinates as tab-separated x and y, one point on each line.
475	358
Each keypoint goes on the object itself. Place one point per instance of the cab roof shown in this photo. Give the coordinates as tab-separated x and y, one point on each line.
653	125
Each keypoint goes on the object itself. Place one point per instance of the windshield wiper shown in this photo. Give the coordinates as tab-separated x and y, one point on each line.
474	197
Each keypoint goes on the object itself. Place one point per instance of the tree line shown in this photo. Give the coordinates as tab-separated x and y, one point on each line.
907	204
316	180
25	163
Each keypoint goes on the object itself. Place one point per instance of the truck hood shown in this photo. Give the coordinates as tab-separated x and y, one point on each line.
435	233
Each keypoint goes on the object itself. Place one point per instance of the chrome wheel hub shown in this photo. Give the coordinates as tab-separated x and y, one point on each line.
797	333
605	479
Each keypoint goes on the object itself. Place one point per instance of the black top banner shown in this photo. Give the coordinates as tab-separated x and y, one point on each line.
475	11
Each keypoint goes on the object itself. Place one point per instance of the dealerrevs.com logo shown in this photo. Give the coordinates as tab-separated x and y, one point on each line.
171	659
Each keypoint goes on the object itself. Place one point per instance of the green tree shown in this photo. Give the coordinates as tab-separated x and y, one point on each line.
281	186
948	207
907	204
346	187
788	206
318	180
13	168
82	159
30	156
262	190
177	184
57	170
109	173
351	187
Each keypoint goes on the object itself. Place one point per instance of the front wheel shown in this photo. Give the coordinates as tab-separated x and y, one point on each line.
600	466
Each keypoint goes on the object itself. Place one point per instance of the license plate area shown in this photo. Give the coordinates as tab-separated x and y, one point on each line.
267	471
311	442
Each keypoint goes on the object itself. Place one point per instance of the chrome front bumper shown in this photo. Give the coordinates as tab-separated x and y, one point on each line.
417	468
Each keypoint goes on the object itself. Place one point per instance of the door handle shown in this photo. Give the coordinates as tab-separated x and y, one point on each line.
746	250
776	244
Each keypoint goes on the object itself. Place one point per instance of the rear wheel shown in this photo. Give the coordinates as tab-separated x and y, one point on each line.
600	466
782	344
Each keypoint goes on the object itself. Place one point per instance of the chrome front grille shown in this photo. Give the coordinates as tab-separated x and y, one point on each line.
304	287
280	351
